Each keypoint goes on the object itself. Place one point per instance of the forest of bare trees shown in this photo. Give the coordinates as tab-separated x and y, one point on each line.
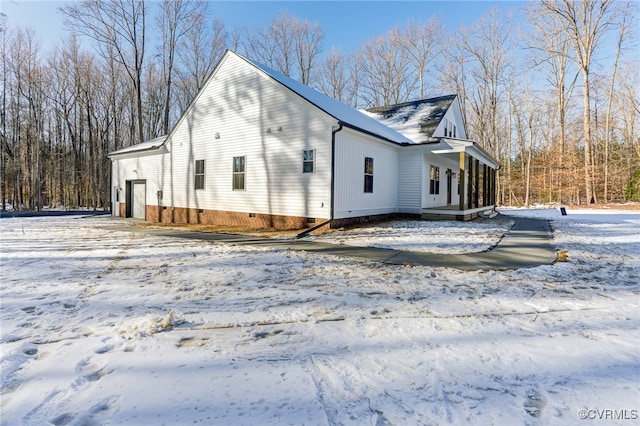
555	99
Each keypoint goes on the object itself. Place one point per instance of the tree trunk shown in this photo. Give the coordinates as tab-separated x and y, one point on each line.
588	168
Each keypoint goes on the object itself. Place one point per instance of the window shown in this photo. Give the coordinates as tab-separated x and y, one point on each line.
308	161
199	176
368	174
238	173
434	180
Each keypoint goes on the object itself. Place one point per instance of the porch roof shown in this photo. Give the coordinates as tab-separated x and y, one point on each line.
451	146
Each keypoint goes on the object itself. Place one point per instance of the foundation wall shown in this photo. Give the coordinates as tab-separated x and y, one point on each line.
224	218
181	215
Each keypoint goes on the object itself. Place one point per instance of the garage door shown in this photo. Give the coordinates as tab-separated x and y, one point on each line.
139	200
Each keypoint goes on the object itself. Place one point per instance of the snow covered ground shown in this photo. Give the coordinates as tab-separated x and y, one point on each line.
110	327
454	238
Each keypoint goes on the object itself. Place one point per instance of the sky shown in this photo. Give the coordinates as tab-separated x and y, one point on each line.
347	24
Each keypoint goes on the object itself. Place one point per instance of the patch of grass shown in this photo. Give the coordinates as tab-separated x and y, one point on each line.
563	256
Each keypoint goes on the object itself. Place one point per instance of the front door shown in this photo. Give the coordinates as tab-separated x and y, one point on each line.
139	200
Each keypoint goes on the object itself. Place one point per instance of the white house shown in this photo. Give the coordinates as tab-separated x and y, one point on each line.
258	149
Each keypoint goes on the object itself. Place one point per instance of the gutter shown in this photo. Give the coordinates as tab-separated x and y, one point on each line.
370	133
135	152
333	185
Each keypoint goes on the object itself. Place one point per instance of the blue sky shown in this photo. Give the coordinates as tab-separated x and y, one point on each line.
347	24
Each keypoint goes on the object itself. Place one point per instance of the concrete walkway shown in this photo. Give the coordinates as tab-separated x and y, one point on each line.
527	244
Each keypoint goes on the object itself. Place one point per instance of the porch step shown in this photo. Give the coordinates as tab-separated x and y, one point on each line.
489	214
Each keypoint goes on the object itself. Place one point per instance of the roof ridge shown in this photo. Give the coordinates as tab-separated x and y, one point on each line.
413	102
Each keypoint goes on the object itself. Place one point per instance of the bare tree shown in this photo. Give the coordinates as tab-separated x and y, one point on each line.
628	105
200	49
388	77
453	77
334	75
25	115
3	114
272	44
623	33
154	101
550	47
356	72
584	22
487	44
176	19
288	45
308	46
120	24
533	127
421	42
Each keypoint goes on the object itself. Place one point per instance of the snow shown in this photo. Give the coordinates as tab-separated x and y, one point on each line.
111	327
407	120
143	146
458	238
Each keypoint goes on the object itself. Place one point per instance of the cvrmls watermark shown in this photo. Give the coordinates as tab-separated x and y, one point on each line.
608	414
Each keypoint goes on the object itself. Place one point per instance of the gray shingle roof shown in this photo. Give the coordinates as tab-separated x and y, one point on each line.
417	120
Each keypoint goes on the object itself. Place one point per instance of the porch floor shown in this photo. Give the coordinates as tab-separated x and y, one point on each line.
452	211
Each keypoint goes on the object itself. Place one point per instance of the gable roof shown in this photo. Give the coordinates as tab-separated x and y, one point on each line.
417	120
347	115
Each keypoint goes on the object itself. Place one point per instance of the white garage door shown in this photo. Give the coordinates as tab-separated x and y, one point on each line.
139	200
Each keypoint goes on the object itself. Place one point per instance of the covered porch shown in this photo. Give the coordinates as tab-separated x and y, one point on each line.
476	182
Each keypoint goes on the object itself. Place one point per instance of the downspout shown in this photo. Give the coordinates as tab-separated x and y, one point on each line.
333	178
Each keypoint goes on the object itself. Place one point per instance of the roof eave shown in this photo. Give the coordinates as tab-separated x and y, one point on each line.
467	146
155	149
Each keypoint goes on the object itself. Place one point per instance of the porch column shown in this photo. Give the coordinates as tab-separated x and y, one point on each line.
493	186
470	195
476	182
461	183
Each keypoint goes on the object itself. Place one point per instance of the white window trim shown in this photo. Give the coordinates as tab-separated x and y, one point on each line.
368	174
244	173
196	174
313	161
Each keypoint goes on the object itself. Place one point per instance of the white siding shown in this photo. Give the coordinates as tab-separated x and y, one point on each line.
350	199
453	116
239	104
444	163
410	163
147	167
